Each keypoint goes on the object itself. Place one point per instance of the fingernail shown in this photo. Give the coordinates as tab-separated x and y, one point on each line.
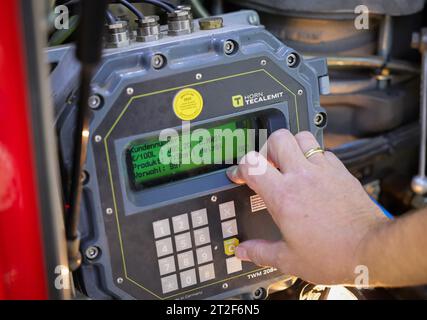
232	172
241	253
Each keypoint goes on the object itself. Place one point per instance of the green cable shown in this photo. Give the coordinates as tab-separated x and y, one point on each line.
199	9
60	36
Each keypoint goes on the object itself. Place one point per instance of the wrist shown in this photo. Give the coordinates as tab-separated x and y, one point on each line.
370	248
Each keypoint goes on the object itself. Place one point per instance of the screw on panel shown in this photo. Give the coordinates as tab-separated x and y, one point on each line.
92	252
109	211
214	198
98	138
199	76
320	119
158	61
259	294
94	101
230	47
300	92
130	91
225	285
263	62
119	280
292	60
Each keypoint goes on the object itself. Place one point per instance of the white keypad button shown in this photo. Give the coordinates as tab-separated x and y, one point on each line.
206	272
164	247
233	265
201	236
199	218
229	228
169	283
167	265
180	223
186	260
161	228
227	210
204	254
188	278
183	241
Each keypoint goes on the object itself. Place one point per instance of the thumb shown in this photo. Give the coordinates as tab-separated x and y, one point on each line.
264	253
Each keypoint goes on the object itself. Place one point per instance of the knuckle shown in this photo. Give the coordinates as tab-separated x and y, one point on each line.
306	139
304	135
279	135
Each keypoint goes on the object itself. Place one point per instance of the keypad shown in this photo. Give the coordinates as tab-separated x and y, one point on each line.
204	254
169	283
199	218
184	252
229	228
207	272
184	249
202	236
183	241
161	228
164	247
185	260
188	278
227	210
233	265
167	265
180	223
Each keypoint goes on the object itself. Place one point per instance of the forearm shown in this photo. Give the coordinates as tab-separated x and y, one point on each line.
396	254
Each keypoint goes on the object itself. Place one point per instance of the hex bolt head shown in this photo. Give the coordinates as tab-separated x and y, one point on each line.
319	119
229	47
292	60
158	61
92	252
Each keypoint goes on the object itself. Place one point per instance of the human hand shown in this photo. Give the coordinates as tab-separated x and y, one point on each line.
322	211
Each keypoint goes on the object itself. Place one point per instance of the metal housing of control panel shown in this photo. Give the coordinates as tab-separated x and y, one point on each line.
176	240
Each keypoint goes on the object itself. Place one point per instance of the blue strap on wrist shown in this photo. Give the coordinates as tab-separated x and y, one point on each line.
384	210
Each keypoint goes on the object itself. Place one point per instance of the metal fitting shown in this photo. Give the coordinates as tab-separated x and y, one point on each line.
148	29
190	14
117	35
179	23
131	32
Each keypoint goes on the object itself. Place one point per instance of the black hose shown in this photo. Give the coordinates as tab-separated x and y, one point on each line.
88	52
111	19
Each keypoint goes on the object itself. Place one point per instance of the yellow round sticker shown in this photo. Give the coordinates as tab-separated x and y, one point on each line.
188	104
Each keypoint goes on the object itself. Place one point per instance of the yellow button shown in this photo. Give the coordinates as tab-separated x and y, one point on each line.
230	246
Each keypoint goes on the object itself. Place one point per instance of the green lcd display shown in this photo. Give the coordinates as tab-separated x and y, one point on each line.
188	154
